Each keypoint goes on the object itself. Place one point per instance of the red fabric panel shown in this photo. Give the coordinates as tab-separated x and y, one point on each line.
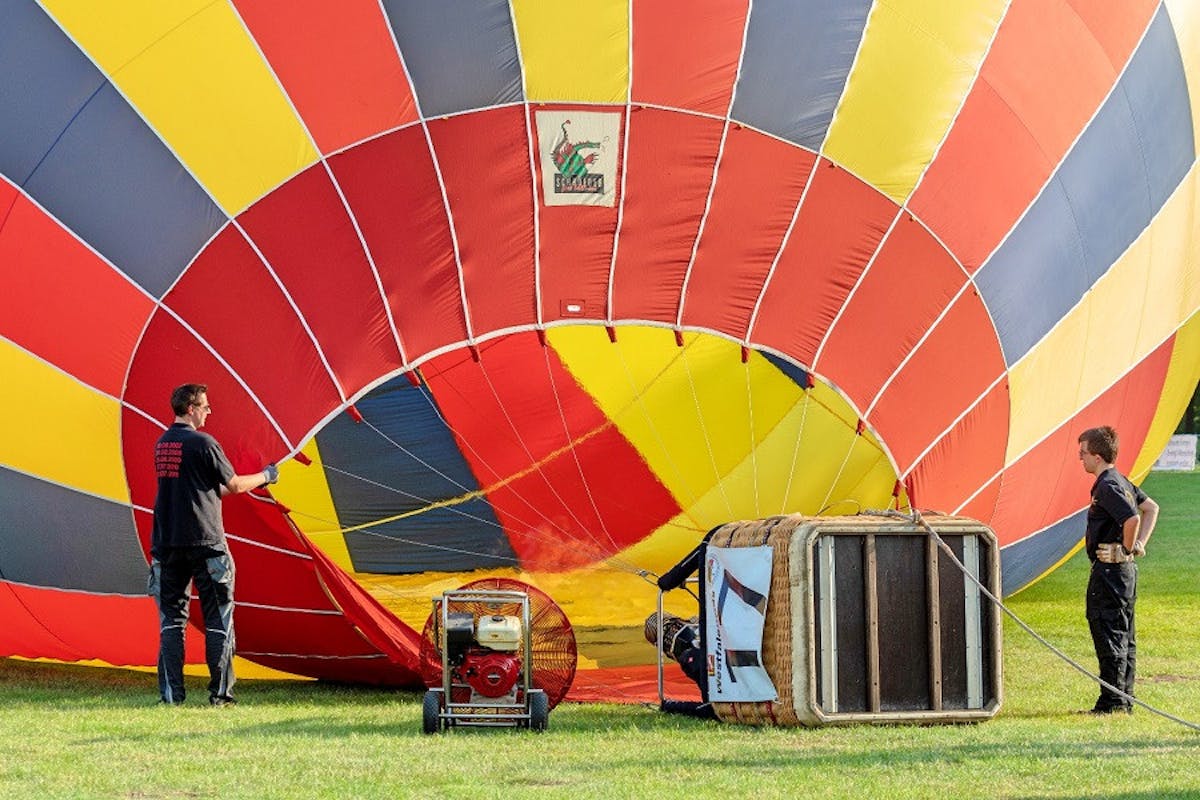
687	57
759	182
376	670
966	457
1118	27
1132	400
305	234
22	635
945	375
266	630
576	243
635	683
338	64
1043	79
276	588
911	281
670	166
49	278
138	436
401	643
491	200
393	192
983	505
232	302
64	625
167	357
530	464
839	227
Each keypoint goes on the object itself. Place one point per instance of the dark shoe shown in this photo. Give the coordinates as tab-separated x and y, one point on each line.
170	702
217	700
1105	710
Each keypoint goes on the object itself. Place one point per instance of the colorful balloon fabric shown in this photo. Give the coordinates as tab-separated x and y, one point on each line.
546	291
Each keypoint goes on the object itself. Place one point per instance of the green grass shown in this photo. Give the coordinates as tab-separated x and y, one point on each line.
69	731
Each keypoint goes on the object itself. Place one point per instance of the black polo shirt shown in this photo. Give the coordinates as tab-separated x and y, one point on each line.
1114	500
191	469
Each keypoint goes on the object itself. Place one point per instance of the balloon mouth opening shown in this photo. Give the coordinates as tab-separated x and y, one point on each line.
565	449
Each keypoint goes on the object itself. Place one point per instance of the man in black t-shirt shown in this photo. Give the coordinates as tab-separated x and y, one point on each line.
1120	522
188	544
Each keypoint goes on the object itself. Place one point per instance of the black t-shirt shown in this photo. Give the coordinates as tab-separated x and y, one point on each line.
191	469
1114	500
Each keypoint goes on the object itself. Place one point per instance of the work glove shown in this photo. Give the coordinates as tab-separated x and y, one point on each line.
272	473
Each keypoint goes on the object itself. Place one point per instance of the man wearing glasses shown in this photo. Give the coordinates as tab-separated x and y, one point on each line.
1120	521
188	544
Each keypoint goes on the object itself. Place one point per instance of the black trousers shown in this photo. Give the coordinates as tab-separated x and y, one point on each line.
1111	595
212	573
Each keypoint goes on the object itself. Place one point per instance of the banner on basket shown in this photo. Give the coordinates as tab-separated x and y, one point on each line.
738	581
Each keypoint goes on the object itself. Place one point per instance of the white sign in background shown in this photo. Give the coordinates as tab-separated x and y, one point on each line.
738	582
1180	453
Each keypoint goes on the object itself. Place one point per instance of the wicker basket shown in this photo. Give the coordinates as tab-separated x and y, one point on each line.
792	632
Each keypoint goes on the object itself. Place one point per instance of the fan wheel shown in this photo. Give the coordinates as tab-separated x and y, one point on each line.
553	649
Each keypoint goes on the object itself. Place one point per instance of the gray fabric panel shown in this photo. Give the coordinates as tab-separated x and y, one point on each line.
1155	87
46	81
411	461
54	537
1105	180
461	54
1032	278
797	57
114	183
1024	561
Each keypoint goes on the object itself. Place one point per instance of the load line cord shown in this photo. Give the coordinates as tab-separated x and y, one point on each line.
920	520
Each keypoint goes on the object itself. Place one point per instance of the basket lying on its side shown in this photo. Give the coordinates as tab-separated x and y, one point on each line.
868	620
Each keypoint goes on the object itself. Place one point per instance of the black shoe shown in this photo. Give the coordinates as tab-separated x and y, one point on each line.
1106	710
165	702
217	700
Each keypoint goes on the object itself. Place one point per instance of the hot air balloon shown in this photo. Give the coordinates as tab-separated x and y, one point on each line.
545	291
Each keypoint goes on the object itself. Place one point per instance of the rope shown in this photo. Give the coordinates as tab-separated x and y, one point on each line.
571	443
917	518
753	441
787	492
712	458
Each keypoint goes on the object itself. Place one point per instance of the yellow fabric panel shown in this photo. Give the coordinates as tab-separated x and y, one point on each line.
1178	387
241	667
305	491
1185	18
684	409
586	60
917	62
56	428
1129	312
197	78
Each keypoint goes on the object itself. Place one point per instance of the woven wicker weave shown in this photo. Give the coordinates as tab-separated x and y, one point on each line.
778	653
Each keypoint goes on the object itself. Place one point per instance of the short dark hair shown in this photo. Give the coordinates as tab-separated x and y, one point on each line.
185	396
1102	442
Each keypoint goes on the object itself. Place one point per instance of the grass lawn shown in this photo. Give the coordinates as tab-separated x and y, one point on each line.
68	731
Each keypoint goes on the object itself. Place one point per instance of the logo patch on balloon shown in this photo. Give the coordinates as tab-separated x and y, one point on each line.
578	152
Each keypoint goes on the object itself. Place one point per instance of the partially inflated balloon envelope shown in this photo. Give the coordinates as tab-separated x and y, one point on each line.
547	291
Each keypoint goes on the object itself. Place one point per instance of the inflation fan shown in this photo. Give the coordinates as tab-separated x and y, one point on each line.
495	652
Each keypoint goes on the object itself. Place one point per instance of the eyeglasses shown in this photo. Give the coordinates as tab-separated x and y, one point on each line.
205	407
